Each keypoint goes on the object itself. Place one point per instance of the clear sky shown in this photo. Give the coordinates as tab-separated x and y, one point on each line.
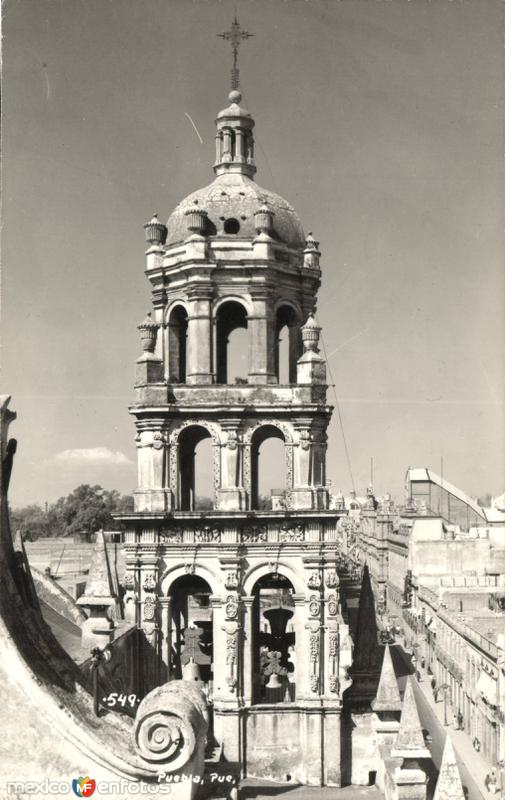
379	120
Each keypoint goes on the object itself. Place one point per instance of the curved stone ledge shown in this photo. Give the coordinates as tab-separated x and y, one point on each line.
49	730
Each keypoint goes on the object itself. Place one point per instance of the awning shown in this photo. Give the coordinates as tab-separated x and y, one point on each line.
488	688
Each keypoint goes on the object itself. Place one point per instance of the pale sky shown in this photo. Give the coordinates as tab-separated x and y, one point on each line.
380	121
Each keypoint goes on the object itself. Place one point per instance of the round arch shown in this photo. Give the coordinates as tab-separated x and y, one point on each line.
242	300
171	574
265	568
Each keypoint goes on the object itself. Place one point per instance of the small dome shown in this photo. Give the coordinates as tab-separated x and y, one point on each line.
235	197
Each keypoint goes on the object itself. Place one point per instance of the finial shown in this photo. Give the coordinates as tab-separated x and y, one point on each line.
235	35
156	232
310	334
148	331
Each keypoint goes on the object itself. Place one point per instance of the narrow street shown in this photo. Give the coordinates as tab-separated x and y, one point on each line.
471	765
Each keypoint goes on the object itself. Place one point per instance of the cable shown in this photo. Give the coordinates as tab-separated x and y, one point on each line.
339	412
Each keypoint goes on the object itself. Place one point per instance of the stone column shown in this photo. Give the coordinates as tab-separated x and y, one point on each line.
227	642
247	646
152	493
166	634
261	343
199	343
301	648
231	495
226	154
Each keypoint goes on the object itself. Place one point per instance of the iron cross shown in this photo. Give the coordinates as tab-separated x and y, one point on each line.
235	35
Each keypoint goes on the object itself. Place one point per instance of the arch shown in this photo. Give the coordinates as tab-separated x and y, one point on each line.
273	614
188	440
173	573
258	438
229	316
190	628
177	322
264	568
288	342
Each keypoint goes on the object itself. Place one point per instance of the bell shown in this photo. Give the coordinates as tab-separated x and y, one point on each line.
273	681
191	672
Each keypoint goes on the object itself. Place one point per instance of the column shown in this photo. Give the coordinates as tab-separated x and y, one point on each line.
199	344
231	495
261	343
166	635
152	493
247	645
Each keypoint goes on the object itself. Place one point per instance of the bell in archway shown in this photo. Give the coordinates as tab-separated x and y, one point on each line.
274	682
191	672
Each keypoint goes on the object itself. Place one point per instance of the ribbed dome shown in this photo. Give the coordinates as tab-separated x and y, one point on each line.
235	196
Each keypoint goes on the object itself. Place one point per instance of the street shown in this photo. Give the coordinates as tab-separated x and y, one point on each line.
435	728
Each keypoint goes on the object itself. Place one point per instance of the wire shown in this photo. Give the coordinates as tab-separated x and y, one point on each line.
339	412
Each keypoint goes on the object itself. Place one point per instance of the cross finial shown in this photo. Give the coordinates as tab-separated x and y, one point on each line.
235	35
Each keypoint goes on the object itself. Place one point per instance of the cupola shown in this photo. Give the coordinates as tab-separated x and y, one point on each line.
234	139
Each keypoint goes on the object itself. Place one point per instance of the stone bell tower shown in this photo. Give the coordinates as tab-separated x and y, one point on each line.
243	598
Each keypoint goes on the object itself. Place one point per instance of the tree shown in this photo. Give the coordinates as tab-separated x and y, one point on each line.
87	508
32	521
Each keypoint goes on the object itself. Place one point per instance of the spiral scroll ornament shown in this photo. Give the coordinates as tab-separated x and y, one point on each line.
170	724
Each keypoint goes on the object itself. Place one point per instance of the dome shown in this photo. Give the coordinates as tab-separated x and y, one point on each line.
234	196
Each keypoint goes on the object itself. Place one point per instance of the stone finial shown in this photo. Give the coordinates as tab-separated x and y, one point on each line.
148	331
410	740
449	786
99	586
388	695
156	232
367	653
263	219
196	220
310	335
311	253
310	242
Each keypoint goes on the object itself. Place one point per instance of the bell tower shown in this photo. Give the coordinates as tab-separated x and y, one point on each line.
259	583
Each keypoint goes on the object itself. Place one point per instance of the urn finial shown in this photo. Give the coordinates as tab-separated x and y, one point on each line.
156	232
148	331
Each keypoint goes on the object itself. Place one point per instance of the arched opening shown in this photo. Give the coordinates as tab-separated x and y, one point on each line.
177	335
191	651
231	316
288	344
194	472
273	640
268	467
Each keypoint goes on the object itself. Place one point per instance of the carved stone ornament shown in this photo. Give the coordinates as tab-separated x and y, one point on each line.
158	440
232	440
149	582
170	535
231	580
333	684
305	438
129	581
333	644
332	605
231	630
314	683
149	608
254	533
292	533
314	580
189	568
314	606
314	644
331	579
208	534
231	607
